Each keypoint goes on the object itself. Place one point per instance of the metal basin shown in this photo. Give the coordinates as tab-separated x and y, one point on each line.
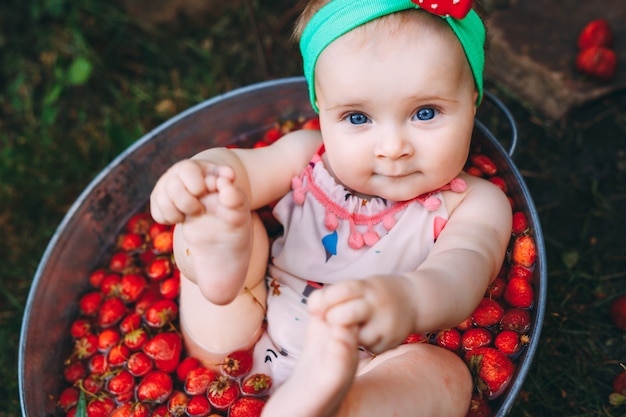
89	228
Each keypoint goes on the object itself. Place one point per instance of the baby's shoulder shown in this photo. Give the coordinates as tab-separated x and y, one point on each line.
480	194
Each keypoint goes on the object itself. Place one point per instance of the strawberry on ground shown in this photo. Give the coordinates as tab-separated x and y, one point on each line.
618	312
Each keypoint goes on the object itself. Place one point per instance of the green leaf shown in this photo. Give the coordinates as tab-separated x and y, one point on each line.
570	259
53	95
79	71
616	399
81	407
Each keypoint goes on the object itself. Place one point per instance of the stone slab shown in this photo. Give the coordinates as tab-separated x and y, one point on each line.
532	52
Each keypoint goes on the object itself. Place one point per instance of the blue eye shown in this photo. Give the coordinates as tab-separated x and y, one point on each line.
357	118
426	113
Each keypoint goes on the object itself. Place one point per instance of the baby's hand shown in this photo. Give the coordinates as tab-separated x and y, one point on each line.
378	305
186	188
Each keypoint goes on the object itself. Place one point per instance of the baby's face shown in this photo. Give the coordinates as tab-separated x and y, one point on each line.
396	109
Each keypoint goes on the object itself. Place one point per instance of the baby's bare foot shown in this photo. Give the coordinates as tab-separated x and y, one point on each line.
218	242
323	375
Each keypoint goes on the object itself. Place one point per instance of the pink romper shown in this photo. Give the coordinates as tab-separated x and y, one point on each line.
332	235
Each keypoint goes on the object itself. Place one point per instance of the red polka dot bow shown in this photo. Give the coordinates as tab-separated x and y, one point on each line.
455	8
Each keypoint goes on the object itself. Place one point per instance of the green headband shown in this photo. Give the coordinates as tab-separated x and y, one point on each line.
341	16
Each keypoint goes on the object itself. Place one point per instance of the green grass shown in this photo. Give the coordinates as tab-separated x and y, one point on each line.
81	81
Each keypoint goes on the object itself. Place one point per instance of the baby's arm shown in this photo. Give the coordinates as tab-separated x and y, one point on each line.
210	198
446	287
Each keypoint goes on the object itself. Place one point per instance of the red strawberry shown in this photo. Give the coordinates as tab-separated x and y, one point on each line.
92	384
161	312
68	398
492	370
161	411
499	182
111	312
130	242
618	396
110	285
80	328
484	164
108	338
155	387
496	288
595	33
163	242
247	407
177	403
86	346
149	296
164	349
223	392
96	277
89	304
519	293
74	371
256	384
479	407
198	379
508	342
131	287
135	339
414	338
237	363
474	171
157	228
466	324
520	223
139	364
118	355
185	366
487	313
120	262
98	364
198	406
475	337
139	223
159	268
449	339
516	319
121	383
130	322
170	287
272	135
312	124
618	312
524	251
518	271
100	407
597	61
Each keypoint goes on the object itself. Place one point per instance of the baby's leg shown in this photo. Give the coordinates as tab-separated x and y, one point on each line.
212	331
409	381
323	374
